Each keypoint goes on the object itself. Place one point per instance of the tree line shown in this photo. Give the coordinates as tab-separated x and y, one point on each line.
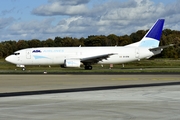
168	37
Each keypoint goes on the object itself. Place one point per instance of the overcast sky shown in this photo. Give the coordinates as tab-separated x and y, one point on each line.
43	19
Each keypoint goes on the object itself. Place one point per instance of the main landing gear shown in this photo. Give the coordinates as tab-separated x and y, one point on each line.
88	67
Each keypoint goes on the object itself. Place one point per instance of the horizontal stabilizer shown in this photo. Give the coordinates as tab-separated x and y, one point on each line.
161	47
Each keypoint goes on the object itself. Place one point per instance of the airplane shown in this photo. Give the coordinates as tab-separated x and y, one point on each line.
67	57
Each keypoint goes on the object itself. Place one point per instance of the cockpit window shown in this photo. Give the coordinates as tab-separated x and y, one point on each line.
16	53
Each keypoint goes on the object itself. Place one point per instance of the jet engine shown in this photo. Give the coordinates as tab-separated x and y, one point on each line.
72	63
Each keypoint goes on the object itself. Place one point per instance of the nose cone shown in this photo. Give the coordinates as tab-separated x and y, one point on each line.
9	59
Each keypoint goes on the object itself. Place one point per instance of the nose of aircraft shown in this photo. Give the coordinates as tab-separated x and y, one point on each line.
9	59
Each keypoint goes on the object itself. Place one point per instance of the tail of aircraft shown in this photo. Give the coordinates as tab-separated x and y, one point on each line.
152	37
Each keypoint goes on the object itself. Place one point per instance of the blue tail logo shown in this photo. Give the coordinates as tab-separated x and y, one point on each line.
156	31
153	36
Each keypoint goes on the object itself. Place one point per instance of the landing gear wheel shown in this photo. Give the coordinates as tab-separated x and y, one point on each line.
88	67
23	69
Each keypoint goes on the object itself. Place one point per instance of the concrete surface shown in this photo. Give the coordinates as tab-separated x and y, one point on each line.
18	83
141	103
147	103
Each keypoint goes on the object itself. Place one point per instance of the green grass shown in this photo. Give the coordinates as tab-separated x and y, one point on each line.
143	66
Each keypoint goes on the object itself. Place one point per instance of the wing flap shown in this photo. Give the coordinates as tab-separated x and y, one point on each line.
96	59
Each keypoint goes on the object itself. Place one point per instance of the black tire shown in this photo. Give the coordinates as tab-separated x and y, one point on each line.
88	67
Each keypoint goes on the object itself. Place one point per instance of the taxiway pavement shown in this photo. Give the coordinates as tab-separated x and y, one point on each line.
149	103
135	103
18	83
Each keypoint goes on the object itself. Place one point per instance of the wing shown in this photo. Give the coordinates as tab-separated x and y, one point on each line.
95	59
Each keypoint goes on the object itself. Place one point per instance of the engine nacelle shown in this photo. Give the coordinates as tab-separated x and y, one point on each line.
72	63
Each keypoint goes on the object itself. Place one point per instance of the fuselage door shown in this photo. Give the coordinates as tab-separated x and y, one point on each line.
137	52
28	54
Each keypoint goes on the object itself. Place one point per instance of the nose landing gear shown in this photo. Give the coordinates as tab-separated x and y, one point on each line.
23	69
21	66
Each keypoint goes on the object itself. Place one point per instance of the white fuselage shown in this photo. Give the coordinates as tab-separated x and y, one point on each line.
74	56
57	55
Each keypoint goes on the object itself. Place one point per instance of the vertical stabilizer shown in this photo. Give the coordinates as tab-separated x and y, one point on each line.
152	37
156	30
